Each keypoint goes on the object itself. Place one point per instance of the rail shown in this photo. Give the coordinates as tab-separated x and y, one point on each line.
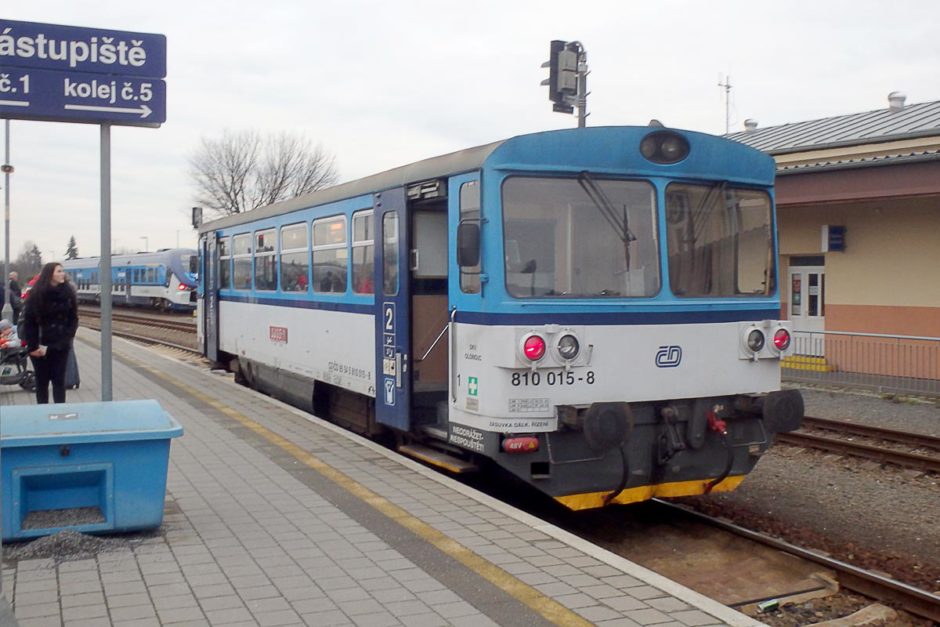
905	364
914	600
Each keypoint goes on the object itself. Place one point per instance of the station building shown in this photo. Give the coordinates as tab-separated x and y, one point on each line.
858	205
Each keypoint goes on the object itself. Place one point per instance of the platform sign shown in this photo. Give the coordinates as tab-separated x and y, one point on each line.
73	74
77	97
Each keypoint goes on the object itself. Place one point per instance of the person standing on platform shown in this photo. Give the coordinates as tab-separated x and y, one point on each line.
50	321
15	301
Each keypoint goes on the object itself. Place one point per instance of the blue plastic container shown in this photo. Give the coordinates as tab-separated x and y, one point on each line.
88	467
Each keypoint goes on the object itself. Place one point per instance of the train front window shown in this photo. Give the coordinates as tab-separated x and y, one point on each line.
580	237
720	241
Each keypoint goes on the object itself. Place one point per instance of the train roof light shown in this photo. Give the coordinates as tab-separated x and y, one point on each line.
533	347
782	339
664	147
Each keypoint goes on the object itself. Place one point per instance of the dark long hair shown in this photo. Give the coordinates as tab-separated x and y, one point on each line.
44	283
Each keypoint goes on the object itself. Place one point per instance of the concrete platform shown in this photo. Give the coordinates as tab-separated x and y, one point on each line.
274	517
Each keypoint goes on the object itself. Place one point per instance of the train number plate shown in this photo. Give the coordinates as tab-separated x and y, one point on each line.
552	378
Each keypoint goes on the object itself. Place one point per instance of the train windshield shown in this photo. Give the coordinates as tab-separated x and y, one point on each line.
190	263
580	237
720	241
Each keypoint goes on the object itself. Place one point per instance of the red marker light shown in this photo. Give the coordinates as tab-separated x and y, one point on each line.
782	339
534	347
526	444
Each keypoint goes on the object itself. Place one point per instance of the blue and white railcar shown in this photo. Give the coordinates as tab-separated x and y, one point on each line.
595	310
165	279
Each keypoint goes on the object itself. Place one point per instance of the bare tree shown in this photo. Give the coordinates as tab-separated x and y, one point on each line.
243	171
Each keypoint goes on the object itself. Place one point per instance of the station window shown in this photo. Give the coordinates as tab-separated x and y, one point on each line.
225	263
265	261
330	255
241	256
470	212
294	265
363	252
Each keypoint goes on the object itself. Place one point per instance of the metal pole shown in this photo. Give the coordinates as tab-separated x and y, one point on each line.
7	310
6	301
582	87
105	265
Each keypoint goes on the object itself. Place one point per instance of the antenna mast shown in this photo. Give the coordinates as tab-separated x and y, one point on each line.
726	84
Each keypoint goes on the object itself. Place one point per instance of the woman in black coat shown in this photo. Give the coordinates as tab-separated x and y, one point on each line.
50	321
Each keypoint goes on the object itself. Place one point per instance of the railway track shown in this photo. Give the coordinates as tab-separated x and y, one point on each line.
153	329
173	323
929	462
867	583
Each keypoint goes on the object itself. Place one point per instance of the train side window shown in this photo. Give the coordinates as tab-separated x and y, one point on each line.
390	254
225	263
265	261
294	261
330	255
241	256
470	212
363	252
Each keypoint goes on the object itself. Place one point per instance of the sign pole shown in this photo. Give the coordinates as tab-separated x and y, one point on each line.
105	265
7	310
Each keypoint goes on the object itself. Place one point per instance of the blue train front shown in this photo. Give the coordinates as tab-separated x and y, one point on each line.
594	310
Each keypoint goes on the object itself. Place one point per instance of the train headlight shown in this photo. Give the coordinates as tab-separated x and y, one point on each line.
664	147
568	347
755	340
533	347
782	339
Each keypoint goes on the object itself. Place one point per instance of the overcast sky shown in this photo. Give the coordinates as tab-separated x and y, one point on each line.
382	84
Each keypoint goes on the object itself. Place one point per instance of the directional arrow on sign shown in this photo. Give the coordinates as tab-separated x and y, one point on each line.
143	110
80	97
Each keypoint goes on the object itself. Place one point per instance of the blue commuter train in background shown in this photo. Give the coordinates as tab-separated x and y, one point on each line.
165	279
595	310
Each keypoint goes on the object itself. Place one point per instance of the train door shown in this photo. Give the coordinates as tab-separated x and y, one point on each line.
807	286
392	310
210	298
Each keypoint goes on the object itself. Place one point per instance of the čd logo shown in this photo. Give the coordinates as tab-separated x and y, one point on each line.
668	356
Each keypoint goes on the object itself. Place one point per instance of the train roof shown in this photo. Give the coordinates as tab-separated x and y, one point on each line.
125	260
554	147
434	167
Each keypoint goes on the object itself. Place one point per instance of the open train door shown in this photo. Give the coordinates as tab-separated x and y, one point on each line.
210	297
393	310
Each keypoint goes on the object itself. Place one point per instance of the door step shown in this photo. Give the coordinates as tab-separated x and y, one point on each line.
435	432
437	458
805	362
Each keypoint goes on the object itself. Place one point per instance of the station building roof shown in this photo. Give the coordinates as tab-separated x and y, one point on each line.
897	134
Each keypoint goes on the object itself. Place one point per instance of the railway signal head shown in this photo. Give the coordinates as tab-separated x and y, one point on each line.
562	78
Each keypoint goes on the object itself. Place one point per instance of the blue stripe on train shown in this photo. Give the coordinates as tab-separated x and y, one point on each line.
620	317
568	318
300	303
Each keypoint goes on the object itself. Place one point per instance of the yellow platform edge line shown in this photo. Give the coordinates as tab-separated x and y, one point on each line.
550	609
